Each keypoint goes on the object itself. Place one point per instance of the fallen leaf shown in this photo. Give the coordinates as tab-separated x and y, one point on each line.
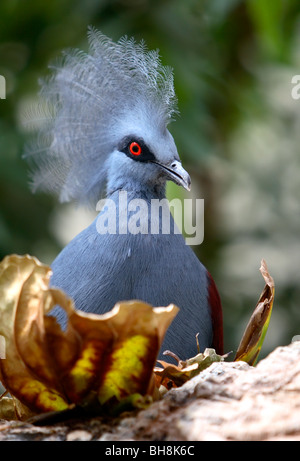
255	332
15	274
176	375
7	408
98	361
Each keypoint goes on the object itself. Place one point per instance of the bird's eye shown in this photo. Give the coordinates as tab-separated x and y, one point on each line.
135	148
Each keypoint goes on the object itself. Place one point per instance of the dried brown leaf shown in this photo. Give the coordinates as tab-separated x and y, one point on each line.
99	360
254	334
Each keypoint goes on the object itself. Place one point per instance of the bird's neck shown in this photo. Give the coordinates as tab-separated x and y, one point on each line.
157	191
140	211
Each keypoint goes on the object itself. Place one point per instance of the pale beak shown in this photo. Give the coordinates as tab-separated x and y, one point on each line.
177	174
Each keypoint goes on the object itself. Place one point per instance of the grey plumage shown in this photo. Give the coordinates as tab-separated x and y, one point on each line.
106	134
90	102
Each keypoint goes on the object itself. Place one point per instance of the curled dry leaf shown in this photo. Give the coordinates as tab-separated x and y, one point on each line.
98	361
7	408
176	375
255	332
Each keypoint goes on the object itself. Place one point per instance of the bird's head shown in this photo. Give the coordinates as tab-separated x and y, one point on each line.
144	156
108	112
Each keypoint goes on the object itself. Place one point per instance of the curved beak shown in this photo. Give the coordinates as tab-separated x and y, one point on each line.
177	174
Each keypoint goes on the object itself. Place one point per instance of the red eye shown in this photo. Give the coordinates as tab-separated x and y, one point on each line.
135	148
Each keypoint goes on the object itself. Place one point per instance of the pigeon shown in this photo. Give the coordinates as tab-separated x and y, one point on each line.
103	141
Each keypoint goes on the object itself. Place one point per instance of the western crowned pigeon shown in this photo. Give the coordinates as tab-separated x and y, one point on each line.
104	135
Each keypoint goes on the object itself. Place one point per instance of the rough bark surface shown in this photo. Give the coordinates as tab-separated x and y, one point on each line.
228	401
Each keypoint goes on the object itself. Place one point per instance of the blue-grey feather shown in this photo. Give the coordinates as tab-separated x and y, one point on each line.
100	270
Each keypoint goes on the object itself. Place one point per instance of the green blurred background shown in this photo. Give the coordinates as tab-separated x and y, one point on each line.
238	134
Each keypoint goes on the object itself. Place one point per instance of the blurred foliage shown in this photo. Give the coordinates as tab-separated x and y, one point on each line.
238	133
